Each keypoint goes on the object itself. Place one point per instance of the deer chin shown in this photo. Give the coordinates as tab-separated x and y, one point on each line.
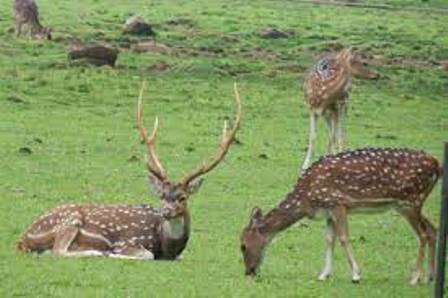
174	228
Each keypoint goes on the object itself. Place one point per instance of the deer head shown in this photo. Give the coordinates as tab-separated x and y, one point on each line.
357	64
43	33
253	243
174	195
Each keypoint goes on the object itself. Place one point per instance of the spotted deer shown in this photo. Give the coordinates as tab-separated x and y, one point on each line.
128	231
361	180
327	87
26	13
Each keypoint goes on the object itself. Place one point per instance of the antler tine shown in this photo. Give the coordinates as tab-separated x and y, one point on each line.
154	165
226	141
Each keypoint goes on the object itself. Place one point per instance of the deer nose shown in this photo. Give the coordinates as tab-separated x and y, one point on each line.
165	212
251	272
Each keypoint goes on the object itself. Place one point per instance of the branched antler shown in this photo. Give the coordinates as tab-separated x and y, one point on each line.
154	165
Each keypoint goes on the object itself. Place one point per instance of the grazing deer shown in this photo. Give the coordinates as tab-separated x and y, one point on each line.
361	180
327	88
128	231
26	13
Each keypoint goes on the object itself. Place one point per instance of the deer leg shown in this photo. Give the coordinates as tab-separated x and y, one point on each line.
19	29
340	125
311	141
85	253
133	253
339	216
330	240
414	218
63	239
330	120
431	236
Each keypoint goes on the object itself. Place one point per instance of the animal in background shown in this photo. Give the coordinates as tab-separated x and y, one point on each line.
26	14
364	180
327	87
128	231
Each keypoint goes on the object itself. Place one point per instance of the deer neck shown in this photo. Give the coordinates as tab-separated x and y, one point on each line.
279	219
176	228
343	78
36	24
174	235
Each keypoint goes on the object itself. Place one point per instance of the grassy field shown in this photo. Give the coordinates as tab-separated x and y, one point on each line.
68	134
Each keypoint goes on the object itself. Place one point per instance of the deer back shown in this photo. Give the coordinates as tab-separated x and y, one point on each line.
351	177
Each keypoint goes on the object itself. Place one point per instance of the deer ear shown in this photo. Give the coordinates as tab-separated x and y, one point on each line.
156	185
346	53
255	217
194	186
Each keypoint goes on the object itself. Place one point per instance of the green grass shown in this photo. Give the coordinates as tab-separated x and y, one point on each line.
79	123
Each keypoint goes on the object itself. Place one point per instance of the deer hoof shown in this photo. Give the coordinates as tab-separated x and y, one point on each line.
415	279
356	279
323	277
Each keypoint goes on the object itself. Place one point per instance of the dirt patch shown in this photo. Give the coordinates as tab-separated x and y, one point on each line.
202	51
151	46
293	68
380	60
184	22
369	56
157	47
259	53
445	65
332	47
159	67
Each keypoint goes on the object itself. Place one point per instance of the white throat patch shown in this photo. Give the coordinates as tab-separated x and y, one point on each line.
174	228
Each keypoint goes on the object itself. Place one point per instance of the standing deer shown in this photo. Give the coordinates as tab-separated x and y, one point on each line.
128	231
26	13
362	180
327	88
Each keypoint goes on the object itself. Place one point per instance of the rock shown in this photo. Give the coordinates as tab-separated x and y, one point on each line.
273	33
138	26
15	99
96	55
25	150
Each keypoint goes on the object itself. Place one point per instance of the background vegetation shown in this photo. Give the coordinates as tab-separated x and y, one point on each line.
67	134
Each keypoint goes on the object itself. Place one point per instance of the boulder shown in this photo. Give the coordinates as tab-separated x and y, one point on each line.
96	55
138	26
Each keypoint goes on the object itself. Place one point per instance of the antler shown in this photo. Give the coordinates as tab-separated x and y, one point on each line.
226	141
154	165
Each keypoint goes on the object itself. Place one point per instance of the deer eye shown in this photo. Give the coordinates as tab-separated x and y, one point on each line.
243	247
182	199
